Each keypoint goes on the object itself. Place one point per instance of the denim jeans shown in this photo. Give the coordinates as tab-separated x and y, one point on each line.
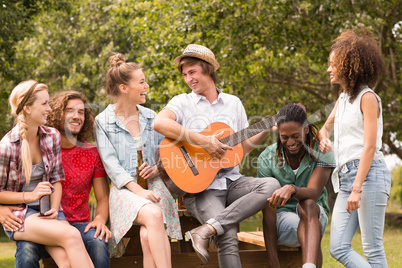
223	209
28	254
287	224
370	217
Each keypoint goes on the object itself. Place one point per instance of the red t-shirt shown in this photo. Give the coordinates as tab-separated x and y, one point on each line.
80	164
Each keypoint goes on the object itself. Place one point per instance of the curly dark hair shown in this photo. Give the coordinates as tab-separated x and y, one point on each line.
295	113
358	60
58	103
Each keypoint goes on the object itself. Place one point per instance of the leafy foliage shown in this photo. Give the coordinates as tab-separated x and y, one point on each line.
271	52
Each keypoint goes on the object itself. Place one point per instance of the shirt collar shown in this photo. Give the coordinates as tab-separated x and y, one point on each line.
15	133
197	98
307	159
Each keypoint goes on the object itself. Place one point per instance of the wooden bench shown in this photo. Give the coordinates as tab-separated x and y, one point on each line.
288	256
251	249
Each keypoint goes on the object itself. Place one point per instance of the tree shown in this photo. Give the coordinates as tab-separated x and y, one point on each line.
271	52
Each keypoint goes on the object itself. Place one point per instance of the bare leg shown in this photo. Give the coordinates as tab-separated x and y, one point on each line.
152	218
148	260
270	235
309	231
59	255
56	233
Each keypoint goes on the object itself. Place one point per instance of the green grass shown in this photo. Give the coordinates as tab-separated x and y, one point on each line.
7	250
392	242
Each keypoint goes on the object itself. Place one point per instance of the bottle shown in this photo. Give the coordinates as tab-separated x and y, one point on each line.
141	181
44	201
180	202
44	204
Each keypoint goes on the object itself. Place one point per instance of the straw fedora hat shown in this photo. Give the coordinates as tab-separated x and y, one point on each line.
201	52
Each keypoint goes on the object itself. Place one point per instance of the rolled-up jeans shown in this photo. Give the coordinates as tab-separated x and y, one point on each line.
370	217
223	209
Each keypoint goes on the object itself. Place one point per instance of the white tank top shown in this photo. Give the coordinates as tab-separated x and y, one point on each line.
349	132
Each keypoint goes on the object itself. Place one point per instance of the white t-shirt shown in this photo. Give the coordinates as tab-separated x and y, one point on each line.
195	113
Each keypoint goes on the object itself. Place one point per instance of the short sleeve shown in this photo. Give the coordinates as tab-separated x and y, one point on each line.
99	170
264	165
175	105
242	117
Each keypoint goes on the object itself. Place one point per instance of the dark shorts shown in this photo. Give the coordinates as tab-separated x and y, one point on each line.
32	210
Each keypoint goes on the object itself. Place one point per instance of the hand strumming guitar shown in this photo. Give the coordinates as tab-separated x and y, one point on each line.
213	146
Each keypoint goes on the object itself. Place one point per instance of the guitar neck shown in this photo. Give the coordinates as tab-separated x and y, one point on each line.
249	132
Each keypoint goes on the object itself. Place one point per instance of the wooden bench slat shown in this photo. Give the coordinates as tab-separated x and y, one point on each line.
257	238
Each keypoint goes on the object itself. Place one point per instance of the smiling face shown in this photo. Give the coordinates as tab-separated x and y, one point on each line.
199	82
74	116
332	70
137	87
292	136
38	112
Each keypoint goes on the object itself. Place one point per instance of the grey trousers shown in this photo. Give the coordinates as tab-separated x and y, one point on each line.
223	209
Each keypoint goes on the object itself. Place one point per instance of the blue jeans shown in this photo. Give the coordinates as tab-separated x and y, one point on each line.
287	224
223	209
370	217
28	253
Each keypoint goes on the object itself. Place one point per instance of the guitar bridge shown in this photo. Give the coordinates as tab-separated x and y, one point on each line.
189	161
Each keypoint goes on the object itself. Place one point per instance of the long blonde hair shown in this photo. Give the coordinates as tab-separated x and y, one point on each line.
24	94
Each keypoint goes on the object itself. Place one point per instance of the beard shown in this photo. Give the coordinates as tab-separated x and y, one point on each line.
70	134
297	155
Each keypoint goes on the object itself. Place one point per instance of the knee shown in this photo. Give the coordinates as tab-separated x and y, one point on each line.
154	215
336	250
269	212
308	209
269	216
96	244
71	235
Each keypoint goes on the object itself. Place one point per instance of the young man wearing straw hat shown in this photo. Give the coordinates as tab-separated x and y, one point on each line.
231	197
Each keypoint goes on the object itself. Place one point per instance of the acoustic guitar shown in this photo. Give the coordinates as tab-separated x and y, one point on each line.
187	168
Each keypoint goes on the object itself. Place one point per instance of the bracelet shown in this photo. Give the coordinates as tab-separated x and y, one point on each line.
357	191
23	199
296	190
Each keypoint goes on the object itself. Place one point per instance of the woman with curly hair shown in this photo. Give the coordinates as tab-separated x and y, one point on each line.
123	129
31	169
361	175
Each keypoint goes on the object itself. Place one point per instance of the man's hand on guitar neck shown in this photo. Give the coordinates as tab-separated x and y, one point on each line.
213	146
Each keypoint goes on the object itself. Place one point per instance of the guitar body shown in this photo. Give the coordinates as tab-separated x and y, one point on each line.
187	168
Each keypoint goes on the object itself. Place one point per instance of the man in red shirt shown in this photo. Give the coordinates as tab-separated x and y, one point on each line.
73	117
